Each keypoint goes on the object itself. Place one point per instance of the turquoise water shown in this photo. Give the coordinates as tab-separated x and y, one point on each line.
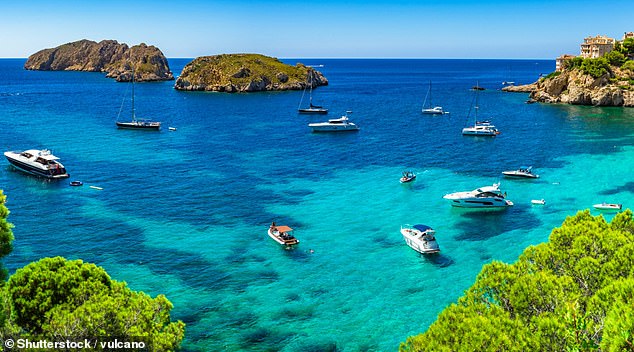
185	213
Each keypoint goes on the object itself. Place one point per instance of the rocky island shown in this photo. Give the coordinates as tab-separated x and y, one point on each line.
603	75
233	73
106	56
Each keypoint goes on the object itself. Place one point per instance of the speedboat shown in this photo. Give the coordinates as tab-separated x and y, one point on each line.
335	125
408	176
420	238
282	235
608	206
37	162
523	171
538	201
483	197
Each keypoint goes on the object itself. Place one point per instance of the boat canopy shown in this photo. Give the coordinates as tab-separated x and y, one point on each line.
422	228
283	228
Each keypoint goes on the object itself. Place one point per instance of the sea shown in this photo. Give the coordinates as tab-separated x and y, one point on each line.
185	213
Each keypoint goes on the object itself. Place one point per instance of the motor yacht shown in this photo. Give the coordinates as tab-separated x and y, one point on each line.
335	125
522	172
483	197
420	238
282	235
37	162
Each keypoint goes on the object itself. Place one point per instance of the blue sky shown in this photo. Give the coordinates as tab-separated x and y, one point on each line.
326	28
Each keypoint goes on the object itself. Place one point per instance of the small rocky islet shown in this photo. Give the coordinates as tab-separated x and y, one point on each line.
233	73
577	88
108	56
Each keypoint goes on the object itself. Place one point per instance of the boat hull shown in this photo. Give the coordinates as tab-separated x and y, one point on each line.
480	202
469	132
313	111
514	174
26	168
433	111
331	128
608	207
145	126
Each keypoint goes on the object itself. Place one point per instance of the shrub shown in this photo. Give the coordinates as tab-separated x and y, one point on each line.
595	67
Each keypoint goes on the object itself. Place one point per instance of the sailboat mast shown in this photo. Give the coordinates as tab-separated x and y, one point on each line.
133	112
431	104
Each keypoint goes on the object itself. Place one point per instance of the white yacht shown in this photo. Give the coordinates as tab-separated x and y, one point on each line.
335	125
420	238
282	235
608	206
37	162
522	172
481	128
483	197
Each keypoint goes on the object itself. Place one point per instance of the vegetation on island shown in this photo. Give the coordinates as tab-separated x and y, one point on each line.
116	59
245	73
60	298
573	293
6	235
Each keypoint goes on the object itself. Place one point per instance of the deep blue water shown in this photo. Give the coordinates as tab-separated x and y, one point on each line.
185	213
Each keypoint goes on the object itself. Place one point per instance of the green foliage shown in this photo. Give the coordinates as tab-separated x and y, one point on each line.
595	67
572	293
575	62
6	235
627	46
552	74
628	65
615	58
241	69
58	297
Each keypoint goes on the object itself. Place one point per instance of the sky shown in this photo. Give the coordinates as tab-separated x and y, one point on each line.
537	29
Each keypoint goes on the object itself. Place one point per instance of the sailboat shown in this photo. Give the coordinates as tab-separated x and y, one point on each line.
431	109
312	109
479	128
135	123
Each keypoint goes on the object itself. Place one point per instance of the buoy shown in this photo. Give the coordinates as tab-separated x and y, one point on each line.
95	187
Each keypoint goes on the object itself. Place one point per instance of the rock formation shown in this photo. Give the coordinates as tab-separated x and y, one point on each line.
117	60
575	87
245	73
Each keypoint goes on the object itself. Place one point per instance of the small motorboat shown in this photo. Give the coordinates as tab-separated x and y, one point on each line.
282	235
608	206
172	128
538	201
76	183
420	238
522	172
408	176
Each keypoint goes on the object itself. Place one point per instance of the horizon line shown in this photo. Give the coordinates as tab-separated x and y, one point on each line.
358	58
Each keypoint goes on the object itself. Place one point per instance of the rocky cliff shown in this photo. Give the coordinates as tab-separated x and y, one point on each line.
245	73
117	60
575	87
